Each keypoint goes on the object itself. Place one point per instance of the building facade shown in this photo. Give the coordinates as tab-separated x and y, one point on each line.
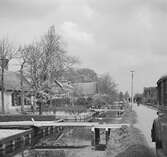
150	96
12	93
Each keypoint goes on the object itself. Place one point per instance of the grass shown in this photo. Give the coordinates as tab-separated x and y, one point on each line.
136	151
129	117
128	142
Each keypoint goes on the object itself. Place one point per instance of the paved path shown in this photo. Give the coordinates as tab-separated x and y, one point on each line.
145	117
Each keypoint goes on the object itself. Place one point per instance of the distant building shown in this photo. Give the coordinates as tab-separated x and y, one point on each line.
12	87
88	89
60	93
150	95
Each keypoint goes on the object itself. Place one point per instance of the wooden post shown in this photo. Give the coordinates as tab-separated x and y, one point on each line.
3	149
48	130
29	138
92	136
13	145
43	132
97	136
52	130
23	140
109	131
107	136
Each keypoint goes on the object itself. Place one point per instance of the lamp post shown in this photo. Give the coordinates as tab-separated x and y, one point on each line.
132	75
4	64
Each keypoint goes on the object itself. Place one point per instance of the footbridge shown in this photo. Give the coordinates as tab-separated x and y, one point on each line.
108	110
39	124
95	127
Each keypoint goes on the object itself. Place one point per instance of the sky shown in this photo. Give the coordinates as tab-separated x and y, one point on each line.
114	36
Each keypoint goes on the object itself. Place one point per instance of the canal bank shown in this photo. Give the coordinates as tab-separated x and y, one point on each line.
73	142
19	135
123	142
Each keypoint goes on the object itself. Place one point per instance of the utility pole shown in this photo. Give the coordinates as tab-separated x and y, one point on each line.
21	86
132	75
2	86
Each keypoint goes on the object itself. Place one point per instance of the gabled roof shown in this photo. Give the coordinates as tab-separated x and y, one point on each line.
54	87
88	88
12	81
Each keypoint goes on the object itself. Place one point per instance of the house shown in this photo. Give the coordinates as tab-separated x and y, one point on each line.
87	89
60	93
12	92
57	89
150	95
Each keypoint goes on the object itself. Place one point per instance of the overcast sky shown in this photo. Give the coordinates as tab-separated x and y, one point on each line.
113	36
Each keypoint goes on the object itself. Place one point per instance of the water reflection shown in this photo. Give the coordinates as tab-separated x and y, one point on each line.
48	153
74	139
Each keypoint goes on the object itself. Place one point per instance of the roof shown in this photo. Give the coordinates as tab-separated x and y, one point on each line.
12	81
67	87
149	88
89	88
56	87
164	77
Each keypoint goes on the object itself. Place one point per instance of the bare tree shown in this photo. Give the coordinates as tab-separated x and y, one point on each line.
31	56
46	60
54	59
7	51
107	86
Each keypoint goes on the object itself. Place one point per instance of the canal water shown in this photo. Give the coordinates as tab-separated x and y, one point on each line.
74	142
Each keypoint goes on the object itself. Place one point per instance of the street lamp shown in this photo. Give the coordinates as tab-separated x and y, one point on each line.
132	75
4	64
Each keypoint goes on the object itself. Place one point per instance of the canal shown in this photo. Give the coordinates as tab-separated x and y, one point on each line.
73	142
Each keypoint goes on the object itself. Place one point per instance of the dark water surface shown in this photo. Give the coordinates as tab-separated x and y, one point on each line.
74	142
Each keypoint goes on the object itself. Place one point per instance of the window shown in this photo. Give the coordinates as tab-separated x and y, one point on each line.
16	99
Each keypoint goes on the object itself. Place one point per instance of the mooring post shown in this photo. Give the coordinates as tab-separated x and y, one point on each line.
43	132
92	136
13	145
29	138
52	130
23	140
97	136
3	149
118	114
109	130
48	130
107	135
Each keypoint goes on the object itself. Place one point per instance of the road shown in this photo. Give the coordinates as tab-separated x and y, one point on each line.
145	117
